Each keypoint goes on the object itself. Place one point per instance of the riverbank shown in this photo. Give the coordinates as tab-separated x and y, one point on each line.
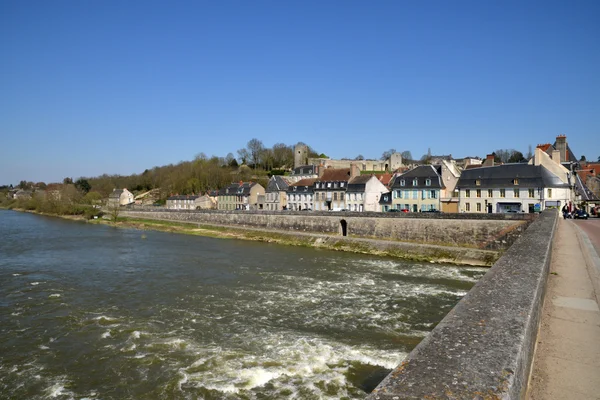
396	249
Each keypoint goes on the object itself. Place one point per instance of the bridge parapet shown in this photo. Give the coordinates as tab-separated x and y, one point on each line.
484	347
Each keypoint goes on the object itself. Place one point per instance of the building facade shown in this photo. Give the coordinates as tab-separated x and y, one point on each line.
182	202
276	193
418	190
120	197
240	196
363	193
300	195
511	188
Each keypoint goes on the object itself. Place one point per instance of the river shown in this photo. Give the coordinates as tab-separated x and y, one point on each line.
97	312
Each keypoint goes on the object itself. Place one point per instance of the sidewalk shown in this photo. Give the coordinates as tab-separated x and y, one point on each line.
567	358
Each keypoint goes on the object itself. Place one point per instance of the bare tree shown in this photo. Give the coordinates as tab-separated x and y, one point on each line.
387	154
244	155
406	155
255	148
113	212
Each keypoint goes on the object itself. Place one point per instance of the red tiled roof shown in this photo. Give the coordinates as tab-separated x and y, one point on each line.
544	146
304	182
335	175
385	178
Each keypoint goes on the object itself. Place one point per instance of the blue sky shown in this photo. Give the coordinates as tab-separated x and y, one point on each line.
93	87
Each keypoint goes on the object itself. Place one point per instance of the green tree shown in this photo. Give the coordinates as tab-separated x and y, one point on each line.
582	159
83	185
68	181
516	157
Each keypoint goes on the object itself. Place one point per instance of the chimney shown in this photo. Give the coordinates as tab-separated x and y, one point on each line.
489	161
321	171
354	171
556	156
537	156
561	145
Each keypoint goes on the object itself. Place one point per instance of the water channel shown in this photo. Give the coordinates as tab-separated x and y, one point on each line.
97	312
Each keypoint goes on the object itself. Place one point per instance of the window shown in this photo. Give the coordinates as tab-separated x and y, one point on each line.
502	192
433	194
468	207
467	193
342	184
402	182
478	192
516	192
515	181
427	182
531	193
490	193
478	182
549	193
398	194
335	196
328	184
341	196
479	207
415	195
415	182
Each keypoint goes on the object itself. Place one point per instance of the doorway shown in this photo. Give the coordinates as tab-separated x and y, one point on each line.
344	227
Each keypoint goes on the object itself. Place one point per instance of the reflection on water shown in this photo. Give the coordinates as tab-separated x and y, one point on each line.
98	312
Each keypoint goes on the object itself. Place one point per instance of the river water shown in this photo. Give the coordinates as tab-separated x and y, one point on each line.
96	312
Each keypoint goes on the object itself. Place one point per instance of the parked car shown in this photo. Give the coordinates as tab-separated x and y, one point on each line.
580	214
393	210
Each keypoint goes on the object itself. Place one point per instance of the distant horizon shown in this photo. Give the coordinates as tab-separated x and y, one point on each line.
115	88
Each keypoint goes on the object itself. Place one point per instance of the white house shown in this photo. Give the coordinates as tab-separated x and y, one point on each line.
514	188
364	192
120	197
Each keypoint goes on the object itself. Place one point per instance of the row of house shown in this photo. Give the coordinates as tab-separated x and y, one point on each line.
549	179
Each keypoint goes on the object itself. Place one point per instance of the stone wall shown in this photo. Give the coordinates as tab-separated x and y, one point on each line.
425	228
484	347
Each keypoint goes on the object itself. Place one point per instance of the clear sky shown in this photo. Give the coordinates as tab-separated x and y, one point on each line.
93	87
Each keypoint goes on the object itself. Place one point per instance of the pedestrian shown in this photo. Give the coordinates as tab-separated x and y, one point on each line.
565	211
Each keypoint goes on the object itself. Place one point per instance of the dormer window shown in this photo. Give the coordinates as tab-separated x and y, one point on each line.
427	182
295	187
415	182
342	184
515	181
402	182
478	182
328	184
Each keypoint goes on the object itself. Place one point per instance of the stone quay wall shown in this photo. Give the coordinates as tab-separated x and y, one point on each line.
474	231
484	347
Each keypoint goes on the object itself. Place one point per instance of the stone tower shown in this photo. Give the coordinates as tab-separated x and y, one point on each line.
395	161
300	155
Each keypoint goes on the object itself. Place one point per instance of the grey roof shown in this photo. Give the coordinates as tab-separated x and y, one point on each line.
241	188
116	193
385	198
358	183
421	174
277	184
499	176
582	190
302	186
183	197
570	156
305	170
